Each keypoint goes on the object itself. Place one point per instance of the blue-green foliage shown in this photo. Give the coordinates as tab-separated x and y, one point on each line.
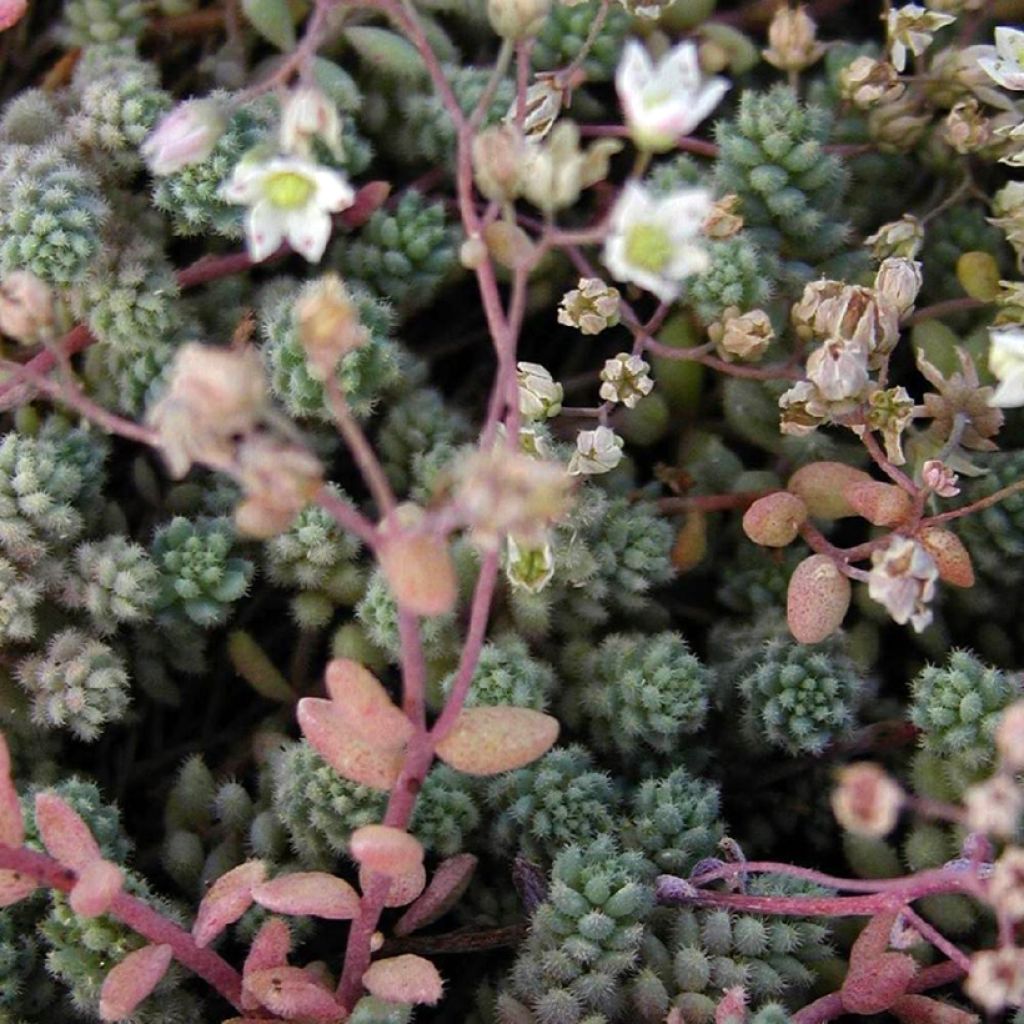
564	32
995	535
114	581
201	578
737	276
102	21
19	599
561	799
507	673
799	699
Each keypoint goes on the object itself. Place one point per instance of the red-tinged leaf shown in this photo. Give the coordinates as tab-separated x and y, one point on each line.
291	993
270	948
97	886
132	980
491	740
66	837
924	1010
732	1007
365	705
404	979
15	886
12	824
446	887
387	850
228	899
873	939
312	893
873	987
817	599
332	738
402	889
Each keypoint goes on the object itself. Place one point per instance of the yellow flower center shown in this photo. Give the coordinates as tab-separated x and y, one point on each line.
288	189
649	246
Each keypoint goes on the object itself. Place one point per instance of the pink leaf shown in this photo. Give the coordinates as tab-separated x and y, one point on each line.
291	993
11	12
404	979
874	986
66	837
490	740
328	733
402	889
390	851
98	885
12	824
15	886
924	1010
365	705
315	893
228	899
446	887
132	980
269	949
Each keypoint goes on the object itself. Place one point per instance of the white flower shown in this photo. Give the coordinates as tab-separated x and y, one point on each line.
625	379
666	100
655	241
597	451
902	578
288	198
540	396
911	29
1007	66
1006	361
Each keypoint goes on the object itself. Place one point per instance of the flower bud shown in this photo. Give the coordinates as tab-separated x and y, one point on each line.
742	336
898	281
897	127
792	39
591	306
597	451
184	136
938	477
328	325
903	237
498	154
26	308
540	396
625	379
952	558
817	600
724	220
867	801
866	82
307	114
774	520
880	504
517	19
822	486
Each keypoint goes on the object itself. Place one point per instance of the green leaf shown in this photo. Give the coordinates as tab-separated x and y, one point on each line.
389	53
273	20
253	665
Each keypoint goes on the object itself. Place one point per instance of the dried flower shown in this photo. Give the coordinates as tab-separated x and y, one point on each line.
328	324
803	409
902	578
897	282
1006	886
540	396
960	399
867	800
654	241
911	29
597	451
289	198
625	379
1010	737
743	336
839	369
592	306
898	126
184	136
544	102
938	477
890	412
1007	66
853	313
867	82
665	100
529	566
724	220
966	128
27	312
996	978
279	478
556	170
1006	361
903	237
499	153
792	40
306	115
994	806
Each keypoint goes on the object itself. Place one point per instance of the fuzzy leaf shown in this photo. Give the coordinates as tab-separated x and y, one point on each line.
448	883
65	835
313	893
385	51
252	664
389	851
366	706
402	889
270	948
15	886
817	599
490	740
132	980
227	900
98	885
273	20
291	993
404	979
12	824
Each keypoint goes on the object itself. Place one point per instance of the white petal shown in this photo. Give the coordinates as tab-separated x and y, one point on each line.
245	183
1010	44
684	212
706	100
634	204
264	230
1010	392
679	70
308	231
635	69
1006	73
333	192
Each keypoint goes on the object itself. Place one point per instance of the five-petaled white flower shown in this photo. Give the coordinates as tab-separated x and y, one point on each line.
289	198
1006	361
666	100
597	451
1007	66
911	29
654	240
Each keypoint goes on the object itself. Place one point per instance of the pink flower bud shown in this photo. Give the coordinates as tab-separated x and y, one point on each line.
389	851
184	136
132	980
11	12
880	504
402	889
99	883
366	706
952	559
227	900
866	801
774	520
420	572
66	837
328	732
404	979
821	485
12	825
313	893
817	600
292	993
489	740
732	1008
270	948
15	886
449	881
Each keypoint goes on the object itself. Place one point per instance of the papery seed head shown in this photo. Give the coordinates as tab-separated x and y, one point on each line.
774	520
817	600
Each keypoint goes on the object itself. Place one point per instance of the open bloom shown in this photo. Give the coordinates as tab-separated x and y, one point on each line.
665	100
597	451
911	29
1007	66
1006	361
291	199
902	578
655	240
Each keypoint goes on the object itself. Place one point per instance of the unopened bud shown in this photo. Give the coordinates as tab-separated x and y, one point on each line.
328	324
903	237
774	520
938	477
517	19
817	600
966	128
498	154
897	127
898	281
743	336
724	220
540	396
26	308
591	306
185	136
307	114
